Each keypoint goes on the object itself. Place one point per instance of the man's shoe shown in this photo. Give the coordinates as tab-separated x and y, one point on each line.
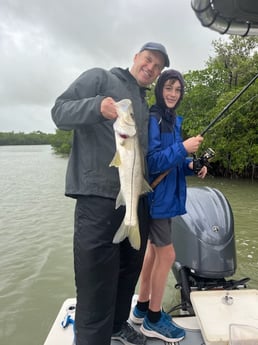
129	336
164	329
137	316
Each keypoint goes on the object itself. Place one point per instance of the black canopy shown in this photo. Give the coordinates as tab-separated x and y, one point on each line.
234	17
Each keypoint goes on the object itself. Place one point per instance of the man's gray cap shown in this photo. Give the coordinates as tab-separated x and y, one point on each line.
157	47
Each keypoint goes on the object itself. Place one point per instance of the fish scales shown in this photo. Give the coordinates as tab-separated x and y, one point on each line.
129	161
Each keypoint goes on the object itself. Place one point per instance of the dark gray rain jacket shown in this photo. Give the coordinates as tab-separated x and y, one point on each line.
78	109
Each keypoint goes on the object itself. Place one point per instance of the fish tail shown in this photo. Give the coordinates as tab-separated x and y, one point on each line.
132	232
134	237
121	233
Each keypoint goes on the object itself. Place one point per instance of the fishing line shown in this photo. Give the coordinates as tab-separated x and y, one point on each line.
217	118
232	112
198	163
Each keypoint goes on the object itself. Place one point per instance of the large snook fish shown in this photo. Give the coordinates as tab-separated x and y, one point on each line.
129	161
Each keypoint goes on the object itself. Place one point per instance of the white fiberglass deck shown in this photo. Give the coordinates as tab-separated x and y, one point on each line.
64	336
217	310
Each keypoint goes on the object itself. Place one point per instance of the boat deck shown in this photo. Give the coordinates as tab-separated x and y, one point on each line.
223	317
64	336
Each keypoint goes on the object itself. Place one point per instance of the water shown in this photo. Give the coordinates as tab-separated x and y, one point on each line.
36	223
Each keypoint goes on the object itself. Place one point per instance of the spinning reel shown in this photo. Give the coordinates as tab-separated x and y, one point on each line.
204	159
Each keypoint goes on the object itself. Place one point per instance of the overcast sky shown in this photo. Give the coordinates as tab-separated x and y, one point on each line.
46	44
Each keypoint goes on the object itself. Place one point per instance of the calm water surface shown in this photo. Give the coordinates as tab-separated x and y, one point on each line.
36	223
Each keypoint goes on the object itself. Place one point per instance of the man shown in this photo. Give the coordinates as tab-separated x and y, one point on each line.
105	273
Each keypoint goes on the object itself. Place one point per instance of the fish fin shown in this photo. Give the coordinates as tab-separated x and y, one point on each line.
120	201
116	161
146	188
121	233
132	232
134	237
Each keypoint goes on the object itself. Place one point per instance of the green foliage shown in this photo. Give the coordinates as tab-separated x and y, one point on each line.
34	138
237	133
150	97
234	137
200	97
62	141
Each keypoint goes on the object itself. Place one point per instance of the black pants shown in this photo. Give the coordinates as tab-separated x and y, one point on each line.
105	273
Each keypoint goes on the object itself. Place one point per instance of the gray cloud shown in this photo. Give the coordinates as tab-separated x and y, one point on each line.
46	44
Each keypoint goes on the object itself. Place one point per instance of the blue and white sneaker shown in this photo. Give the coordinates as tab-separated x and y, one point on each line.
137	316
164	329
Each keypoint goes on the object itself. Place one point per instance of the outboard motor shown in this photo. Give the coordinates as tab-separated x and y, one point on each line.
204	242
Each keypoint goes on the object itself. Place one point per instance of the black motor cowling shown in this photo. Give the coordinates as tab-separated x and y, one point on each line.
204	236
204	242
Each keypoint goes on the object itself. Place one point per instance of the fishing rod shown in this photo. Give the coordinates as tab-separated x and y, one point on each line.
228	105
198	163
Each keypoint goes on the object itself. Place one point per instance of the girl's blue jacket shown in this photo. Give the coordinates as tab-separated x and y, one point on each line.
166	151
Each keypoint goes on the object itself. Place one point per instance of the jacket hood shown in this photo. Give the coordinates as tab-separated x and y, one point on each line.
166	75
